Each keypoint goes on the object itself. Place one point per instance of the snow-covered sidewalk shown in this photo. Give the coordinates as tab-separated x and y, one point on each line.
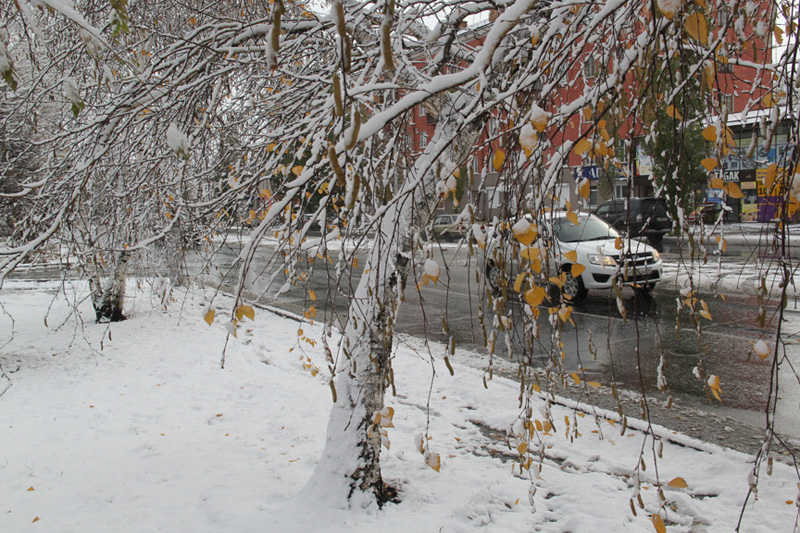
135	427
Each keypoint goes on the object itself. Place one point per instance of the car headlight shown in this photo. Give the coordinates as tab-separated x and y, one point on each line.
605	260
656	255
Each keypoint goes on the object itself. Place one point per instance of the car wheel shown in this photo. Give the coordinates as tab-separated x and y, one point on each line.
645	289
447	237
494	276
573	288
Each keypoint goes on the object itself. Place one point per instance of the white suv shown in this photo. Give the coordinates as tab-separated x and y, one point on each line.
591	244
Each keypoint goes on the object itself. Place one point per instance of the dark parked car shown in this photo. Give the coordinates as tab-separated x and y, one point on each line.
646	217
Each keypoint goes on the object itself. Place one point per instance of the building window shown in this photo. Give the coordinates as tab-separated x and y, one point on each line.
421	110
726	100
590	67
722	17
423	140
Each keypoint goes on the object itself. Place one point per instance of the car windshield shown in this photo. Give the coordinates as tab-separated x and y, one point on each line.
654	206
589	228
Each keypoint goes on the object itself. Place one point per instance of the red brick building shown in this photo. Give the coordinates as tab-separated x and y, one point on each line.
738	86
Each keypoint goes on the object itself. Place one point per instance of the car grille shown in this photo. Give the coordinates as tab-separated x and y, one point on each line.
636	267
637	261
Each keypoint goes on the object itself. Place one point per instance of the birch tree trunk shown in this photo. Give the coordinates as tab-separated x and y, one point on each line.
350	467
108	303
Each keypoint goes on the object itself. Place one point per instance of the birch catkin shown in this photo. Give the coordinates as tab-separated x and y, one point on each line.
337	95
337	169
356	127
277	11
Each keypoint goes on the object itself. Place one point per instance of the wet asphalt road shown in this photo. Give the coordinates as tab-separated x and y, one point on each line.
608	347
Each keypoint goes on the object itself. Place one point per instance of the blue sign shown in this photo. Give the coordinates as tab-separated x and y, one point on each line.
588	173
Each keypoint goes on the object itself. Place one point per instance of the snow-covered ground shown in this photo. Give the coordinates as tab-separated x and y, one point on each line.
136	427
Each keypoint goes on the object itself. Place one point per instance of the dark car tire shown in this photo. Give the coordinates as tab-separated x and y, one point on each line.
645	290
573	289
494	275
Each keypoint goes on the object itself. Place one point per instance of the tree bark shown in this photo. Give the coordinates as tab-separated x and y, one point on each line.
350	466
108	303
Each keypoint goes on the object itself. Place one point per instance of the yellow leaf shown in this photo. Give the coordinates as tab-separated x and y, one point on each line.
540	121
673	112
247	311
770	177
678	483
312	295
577	270
733	190
587	113
709	163
498	159
525	231
576	378
701	3
769	100
297	170
434	461
36	519
778	31
710	134
658	523
522	448
618	243
209	318
572	217
668	9
530	253
717	183
705	314
729	138
585	189
708	74
762	349
571	256
518	282
535	296
30	489
697	28
594	384
582	146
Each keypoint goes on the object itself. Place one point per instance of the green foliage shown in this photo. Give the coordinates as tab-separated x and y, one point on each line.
677	145
677	151
8	77
77	108
119	18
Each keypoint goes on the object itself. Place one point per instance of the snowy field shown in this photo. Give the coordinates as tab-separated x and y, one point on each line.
136	427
